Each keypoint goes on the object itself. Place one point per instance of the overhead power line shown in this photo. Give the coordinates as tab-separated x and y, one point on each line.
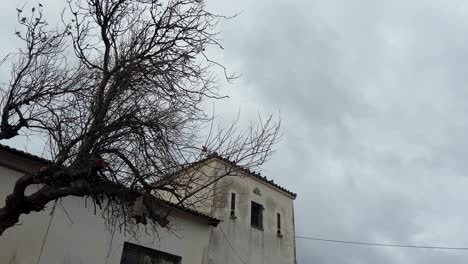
52	212
381	244
230	245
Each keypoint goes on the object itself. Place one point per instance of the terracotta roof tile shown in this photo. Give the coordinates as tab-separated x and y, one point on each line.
211	220
23	154
254	174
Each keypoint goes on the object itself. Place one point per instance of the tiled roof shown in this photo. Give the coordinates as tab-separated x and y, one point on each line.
249	172
254	174
211	156
211	220
23	154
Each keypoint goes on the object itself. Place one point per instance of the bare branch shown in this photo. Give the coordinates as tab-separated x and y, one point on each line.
118	93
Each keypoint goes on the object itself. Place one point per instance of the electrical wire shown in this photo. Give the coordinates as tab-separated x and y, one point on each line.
52	212
230	245
381	244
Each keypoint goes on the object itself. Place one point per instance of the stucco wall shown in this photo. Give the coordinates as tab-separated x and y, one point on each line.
81	236
84	239
250	243
235	240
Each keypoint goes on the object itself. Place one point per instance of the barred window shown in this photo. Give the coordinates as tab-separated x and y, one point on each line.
135	254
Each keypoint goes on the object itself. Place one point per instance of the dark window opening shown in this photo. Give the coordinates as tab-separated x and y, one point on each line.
135	254
256	215
278	223
233	204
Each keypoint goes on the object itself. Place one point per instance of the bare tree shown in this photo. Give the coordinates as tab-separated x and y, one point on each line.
118	91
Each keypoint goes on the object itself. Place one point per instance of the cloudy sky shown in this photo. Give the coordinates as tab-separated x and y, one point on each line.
372	96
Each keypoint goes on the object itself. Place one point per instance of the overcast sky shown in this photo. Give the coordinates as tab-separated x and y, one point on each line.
372	96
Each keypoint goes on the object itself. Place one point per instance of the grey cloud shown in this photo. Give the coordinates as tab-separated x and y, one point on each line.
373	100
372	95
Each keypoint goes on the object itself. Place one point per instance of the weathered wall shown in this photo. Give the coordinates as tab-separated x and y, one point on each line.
198	176
252	244
84	239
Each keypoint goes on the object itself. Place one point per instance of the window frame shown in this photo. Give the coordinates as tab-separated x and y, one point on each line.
256	207
233	205
278	224
131	254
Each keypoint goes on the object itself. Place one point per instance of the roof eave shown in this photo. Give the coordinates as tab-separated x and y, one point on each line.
258	177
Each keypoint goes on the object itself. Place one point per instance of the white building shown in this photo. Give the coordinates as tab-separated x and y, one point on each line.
250	221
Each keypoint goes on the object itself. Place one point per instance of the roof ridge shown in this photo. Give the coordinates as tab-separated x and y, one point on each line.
212	155
255	174
24	154
212	220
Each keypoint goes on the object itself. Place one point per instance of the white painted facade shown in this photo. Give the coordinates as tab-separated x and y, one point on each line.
77	235
253	245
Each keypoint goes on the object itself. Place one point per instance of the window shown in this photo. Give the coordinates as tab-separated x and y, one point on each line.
135	254
278	224
233	205
256	215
